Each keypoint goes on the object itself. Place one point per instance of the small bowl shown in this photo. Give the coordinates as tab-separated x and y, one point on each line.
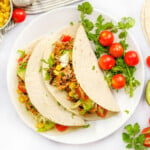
9	19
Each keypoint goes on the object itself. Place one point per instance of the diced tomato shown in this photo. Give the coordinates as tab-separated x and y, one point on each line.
22	88
147	141
101	111
146	131
81	94
85	98
61	128
148	61
78	92
21	59
65	38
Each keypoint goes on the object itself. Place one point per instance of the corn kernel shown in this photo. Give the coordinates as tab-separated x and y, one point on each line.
4	12
58	67
19	91
40	125
23	98
72	85
1	19
52	55
71	93
56	72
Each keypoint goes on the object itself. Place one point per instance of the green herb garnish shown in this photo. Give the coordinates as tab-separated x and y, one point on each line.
22	53
93	67
58	104
72	115
86	126
127	111
93	31
133	138
40	69
71	23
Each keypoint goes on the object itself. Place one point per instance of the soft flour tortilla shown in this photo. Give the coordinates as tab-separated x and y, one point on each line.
40	97
145	19
92	81
61	96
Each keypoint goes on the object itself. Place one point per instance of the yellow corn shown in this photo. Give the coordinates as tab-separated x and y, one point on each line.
72	85
58	67
52	55
23	98
19	92
4	12
56	72
71	93
40	125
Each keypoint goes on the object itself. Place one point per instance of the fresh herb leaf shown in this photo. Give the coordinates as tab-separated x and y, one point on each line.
40	69
47	76
71	23
85	8
93	67
127	111
126	23
72	115
43	60
62	74
133	138
22	53
88	25
58	104
86	126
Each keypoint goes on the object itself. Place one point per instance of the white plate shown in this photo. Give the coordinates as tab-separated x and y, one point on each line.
51	22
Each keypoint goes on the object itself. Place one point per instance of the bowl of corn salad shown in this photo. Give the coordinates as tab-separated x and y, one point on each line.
6	10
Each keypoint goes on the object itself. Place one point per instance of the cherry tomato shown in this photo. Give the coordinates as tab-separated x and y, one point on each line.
116	50
22	88
19	15
65	38
61	128
146	131
148	61
106	62
106	38
118	81
147	141
101	111
131	58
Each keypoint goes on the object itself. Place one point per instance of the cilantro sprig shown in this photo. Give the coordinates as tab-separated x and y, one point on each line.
133	138
93	31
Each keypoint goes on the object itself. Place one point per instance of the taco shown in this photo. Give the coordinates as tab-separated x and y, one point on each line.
71	74
46	111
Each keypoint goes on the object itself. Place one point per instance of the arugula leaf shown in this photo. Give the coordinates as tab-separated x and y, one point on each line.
133	138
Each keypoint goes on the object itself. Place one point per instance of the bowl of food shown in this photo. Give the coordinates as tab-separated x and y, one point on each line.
6	9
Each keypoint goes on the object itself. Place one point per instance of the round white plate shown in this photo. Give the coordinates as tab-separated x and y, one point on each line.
51	22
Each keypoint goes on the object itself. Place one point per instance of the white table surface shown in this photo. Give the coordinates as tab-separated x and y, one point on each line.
15	135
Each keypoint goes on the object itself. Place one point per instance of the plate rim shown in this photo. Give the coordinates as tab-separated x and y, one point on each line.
50	137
